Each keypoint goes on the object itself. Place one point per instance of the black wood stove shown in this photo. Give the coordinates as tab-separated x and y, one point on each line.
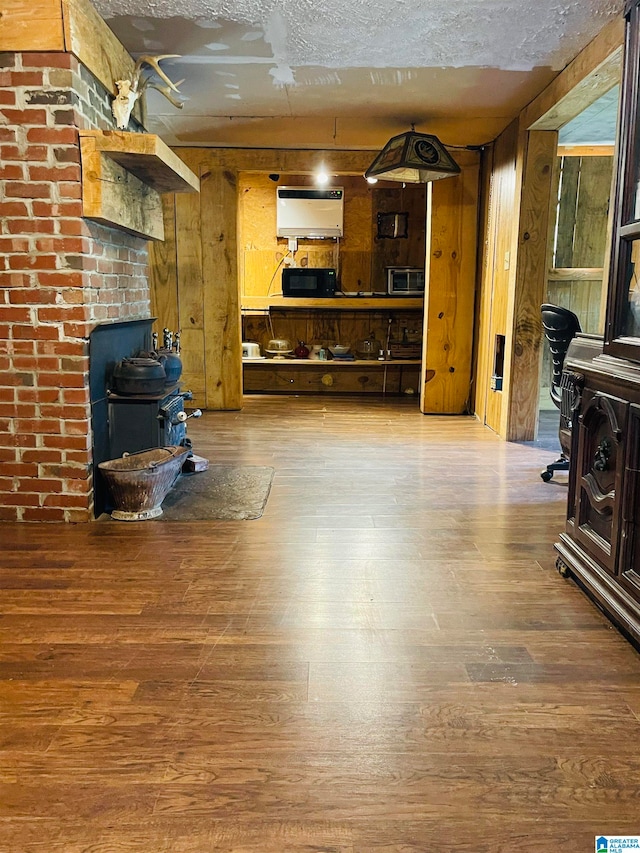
140	421
128	423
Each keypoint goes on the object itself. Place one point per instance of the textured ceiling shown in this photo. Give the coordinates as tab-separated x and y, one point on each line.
350	73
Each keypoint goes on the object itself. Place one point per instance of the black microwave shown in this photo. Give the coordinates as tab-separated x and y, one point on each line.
308	281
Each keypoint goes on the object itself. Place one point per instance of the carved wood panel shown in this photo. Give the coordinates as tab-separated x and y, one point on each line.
599	475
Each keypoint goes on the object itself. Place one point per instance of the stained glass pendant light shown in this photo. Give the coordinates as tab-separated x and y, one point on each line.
413	158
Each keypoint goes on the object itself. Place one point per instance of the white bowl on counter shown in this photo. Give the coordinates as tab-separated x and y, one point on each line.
250	349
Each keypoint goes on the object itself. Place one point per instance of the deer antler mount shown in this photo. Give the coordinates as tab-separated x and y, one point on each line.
130	90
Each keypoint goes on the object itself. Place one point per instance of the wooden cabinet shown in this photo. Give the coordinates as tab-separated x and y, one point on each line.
601	544
599	475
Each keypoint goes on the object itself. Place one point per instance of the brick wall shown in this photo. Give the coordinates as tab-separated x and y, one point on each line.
60	275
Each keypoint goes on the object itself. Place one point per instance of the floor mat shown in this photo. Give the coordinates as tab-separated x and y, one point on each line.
228	492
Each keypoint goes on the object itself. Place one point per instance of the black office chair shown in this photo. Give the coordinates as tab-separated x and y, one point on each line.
560	327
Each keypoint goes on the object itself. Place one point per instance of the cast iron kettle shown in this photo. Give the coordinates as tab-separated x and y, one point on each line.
141	375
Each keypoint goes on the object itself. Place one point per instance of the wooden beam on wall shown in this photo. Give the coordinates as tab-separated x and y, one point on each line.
124	175
484	275
118	199
89	38
223	359
530	286
191	291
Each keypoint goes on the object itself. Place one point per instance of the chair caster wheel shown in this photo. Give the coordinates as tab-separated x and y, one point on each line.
546	475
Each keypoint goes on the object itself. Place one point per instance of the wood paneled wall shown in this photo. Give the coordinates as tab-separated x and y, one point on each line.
522	359
514	280
497	274
450	299
195	274
519	186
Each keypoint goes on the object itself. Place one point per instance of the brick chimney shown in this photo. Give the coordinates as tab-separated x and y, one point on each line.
60	275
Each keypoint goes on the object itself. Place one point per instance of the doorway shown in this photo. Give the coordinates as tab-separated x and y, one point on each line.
579	223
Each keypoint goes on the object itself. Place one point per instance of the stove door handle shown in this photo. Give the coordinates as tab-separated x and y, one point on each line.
181	417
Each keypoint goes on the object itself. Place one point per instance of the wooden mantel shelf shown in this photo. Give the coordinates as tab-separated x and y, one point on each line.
123	175
146	156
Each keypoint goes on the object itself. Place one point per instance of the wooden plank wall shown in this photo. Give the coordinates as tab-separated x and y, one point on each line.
581	244
497	265
450	301
530	286
582	236
484	288
203	265
163	270
516	243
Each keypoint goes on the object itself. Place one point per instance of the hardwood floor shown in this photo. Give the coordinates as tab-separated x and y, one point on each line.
386	661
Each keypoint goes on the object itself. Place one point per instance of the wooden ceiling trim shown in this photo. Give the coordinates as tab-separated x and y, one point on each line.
593	72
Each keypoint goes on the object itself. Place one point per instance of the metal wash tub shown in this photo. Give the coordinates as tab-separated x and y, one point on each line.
139	482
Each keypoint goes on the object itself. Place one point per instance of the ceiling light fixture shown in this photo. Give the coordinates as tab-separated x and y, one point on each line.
372	180
321	177
414	158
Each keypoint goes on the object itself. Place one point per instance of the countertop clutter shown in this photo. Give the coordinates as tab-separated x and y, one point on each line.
368	351
321	350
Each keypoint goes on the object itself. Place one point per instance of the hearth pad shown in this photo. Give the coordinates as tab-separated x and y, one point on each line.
221	492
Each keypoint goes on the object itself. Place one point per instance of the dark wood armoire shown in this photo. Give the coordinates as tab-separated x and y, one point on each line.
601	544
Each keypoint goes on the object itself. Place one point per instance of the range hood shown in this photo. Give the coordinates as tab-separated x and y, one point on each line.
413	158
